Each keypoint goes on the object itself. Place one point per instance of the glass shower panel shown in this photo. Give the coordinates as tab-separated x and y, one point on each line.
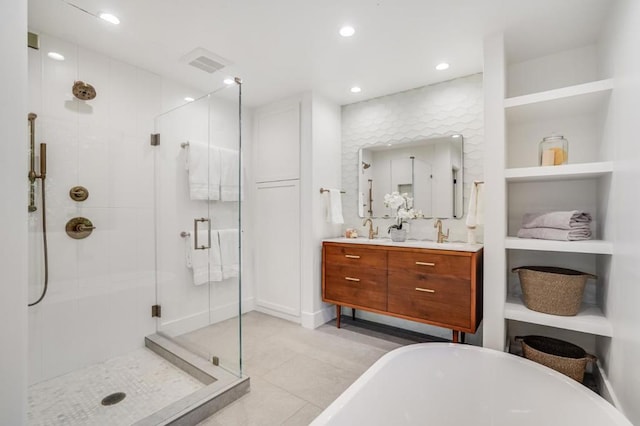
198	199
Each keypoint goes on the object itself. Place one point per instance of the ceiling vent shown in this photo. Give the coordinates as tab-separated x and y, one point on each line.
205	60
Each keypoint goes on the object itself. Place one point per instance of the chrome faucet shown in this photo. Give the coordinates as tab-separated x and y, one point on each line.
441	237
372	234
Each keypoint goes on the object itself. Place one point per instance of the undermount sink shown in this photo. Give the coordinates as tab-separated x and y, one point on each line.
455	246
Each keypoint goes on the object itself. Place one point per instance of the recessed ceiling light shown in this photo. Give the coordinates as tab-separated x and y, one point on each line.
56	56
442	66
112	19
347	31
455	136
389	144
229	81
189	99
356	89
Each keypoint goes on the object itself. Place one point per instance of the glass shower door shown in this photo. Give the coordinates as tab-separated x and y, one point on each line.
197	208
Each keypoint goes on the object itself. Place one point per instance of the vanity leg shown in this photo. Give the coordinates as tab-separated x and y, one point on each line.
462	337
338	313
454	338
353	314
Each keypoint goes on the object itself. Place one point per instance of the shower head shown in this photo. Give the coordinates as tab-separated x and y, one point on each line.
365	166
83	91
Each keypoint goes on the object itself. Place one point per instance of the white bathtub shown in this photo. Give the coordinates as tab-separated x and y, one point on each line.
450	384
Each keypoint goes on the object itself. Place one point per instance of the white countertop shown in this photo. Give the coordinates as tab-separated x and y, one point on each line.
454	246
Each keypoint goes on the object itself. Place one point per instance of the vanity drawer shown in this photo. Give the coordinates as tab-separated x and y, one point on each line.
349	255
355	286
411	262
445	300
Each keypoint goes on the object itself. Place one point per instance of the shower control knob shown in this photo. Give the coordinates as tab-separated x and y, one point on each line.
79	193
79	228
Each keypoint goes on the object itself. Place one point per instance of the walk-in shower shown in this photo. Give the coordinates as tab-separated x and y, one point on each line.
112	266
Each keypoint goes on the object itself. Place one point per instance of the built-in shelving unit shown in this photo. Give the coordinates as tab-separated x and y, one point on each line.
567	98
590	319
586	246
578	99
555	173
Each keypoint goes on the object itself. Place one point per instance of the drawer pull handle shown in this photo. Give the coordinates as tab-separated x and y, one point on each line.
351	256
425	264
352	279
425	290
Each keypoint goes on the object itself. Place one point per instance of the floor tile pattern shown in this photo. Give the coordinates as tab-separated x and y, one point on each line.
150	382
295	373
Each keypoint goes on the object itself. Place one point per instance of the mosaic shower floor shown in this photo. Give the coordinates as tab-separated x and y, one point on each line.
149	381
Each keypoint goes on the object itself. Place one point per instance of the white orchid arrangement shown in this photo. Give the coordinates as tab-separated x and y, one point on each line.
403	204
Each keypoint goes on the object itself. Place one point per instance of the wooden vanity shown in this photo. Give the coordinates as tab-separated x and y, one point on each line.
433	286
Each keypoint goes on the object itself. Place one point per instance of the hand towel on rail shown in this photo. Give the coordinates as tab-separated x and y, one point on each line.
205	264
230	189
475	213
560	220
576	234
334	207
229	252
204	171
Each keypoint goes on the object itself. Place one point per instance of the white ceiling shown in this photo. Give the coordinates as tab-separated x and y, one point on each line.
281	47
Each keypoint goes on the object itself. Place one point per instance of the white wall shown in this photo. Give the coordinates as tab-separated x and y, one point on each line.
622	129
325	172
454	106
13	232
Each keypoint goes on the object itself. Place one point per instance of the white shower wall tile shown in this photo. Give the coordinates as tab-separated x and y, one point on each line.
93	68
93	251
454	106
123	106
57	79
93	170
122	247
35	345
60	341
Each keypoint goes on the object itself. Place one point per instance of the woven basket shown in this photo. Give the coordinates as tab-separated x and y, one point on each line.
565	357
556	291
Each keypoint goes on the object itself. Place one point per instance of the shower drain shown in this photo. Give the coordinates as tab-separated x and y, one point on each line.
114	398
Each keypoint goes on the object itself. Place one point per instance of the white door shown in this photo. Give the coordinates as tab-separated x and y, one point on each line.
277	255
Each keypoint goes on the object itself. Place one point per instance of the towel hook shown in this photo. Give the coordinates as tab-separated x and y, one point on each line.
326	190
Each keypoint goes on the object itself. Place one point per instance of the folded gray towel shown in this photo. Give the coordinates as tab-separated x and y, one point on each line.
560	220
576	234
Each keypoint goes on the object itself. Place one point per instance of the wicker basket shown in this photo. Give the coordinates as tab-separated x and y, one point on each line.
556	291
565	357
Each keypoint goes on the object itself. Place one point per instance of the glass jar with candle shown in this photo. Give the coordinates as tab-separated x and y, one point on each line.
554	151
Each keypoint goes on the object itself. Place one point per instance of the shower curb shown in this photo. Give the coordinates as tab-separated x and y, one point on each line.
221	387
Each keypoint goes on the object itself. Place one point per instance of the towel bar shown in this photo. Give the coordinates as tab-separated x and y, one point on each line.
326	190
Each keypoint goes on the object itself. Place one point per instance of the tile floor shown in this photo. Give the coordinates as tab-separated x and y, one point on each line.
150	382
295	373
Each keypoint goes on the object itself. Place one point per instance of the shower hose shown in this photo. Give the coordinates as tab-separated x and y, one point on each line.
46	254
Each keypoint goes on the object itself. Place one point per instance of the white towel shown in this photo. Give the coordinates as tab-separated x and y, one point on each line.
203	164
571	219
229	252
475	213
334	207
576	234
205	264
229	177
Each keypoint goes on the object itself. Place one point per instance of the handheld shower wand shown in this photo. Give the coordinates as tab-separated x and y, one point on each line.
32	194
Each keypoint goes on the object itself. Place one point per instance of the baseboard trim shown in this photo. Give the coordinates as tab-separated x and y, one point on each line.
315	319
